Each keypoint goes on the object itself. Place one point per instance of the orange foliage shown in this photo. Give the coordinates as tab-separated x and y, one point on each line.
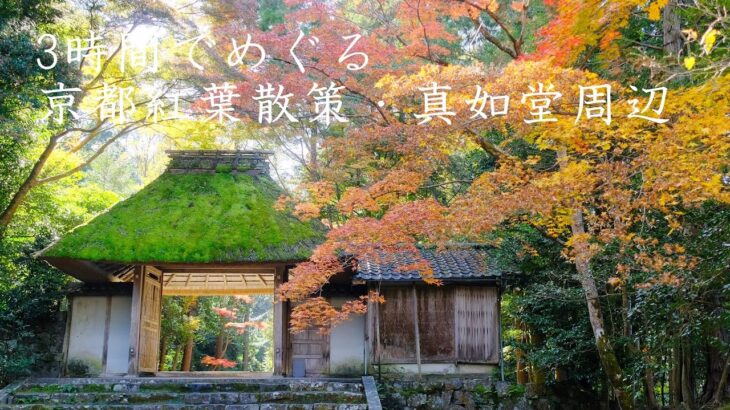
225	313
317	312
242	326
215	362
377	173
306	211
247	299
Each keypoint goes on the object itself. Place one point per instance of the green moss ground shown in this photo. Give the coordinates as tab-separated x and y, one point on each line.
205	218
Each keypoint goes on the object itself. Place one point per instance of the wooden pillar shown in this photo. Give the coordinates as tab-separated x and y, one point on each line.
368	337
107	329
456	296
67	336
378	347
135	323
280	325
415	324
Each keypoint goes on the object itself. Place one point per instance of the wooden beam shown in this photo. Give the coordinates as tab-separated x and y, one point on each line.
107	325
218	267
67	335
206	280
279	327
216	291
253	271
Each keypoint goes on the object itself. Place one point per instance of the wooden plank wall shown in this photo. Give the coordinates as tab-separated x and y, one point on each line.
456	324
436	323
477	324
280	327
397	330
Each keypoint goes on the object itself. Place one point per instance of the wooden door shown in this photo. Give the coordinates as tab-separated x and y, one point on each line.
312	348
150	311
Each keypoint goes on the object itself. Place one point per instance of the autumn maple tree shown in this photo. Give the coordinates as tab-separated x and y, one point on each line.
229	326
585	183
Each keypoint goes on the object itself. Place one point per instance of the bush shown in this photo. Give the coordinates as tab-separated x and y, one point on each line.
77	368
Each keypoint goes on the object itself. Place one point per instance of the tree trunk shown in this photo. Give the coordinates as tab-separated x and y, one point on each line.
625	305
716	367
688	381
245	343
649	387
25	187
721	391
663	381
605	350
671	29
606	354
675	377
561	375
176	357
188	354
221	344
537	375
522	374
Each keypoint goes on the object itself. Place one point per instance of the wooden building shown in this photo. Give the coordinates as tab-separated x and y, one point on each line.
208	226
453	328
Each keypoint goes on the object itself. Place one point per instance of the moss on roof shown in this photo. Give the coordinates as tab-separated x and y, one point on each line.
194	217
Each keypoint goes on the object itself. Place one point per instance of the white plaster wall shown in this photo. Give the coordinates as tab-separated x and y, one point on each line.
117	360
86	335
87	328
347	344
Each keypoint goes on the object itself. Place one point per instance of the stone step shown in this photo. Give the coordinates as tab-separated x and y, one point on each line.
185	393
279	406
97	385
160	397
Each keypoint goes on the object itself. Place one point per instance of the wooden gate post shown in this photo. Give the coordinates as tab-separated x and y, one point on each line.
279	325
134	327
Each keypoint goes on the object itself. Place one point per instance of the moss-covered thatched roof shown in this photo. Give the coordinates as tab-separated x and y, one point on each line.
194	218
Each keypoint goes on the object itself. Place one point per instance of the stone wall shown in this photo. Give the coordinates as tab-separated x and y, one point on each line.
465	393
47	343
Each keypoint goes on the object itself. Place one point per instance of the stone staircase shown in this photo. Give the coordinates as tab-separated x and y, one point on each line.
186	393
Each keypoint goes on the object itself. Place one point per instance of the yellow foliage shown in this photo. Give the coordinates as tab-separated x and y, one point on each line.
614	281
708	40
655	13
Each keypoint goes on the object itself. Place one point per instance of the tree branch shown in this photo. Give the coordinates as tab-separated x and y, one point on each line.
98	152
513	52
487	145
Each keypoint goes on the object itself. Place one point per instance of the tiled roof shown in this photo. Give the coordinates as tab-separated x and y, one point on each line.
449	264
